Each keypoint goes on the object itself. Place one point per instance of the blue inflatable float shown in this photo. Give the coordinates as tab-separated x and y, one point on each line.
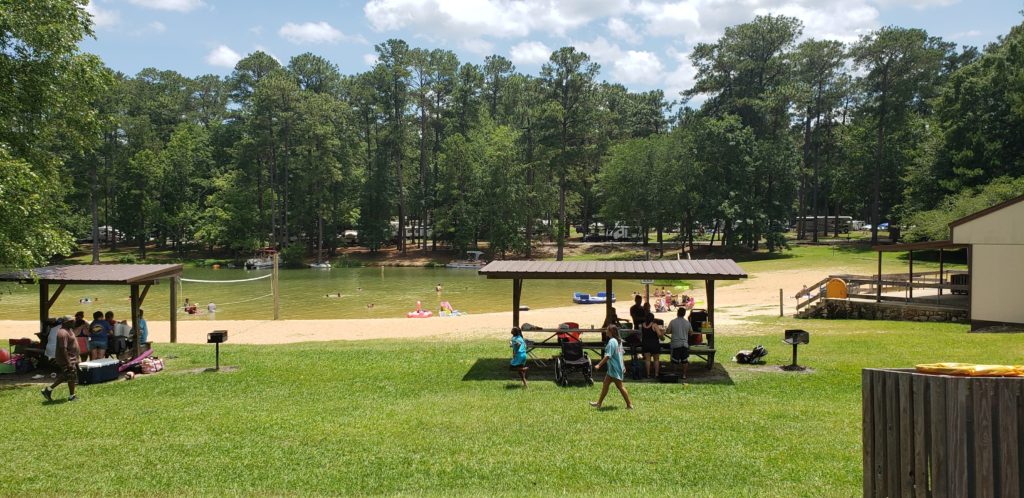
584	298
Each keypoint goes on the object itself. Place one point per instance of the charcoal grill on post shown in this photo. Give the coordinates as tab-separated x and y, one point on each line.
216	337
795	337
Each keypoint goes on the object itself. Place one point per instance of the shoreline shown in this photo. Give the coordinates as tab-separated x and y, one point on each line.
755	296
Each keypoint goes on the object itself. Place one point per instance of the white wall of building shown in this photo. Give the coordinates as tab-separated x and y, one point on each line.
997	264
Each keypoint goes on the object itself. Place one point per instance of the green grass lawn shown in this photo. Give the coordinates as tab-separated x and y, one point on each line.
424	417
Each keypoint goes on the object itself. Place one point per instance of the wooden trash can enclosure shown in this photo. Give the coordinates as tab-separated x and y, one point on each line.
942	436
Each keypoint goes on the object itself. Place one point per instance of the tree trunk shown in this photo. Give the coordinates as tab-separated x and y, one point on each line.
561	217
94	207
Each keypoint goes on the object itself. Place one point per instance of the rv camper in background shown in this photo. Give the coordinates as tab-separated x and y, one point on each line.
825	224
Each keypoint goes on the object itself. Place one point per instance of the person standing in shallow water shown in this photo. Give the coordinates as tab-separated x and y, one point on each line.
616	368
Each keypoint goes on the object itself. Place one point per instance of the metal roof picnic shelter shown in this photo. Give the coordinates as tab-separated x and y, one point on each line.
708	270
132	275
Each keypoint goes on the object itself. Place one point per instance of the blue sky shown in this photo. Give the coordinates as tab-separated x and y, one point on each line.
643	44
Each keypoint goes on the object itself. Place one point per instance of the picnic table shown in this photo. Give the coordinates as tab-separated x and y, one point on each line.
705	351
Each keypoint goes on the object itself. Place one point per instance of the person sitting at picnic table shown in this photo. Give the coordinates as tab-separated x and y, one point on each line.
616	368
519	354
650	338
99	331
119	342
143	330
680	329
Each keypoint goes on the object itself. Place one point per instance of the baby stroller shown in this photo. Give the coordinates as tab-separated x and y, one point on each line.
572	359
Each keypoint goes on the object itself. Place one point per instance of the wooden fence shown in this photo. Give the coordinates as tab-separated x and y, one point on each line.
942	436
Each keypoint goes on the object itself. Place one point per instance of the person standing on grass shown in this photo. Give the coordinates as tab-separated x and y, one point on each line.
519	354
99	332
636	312
143	330
650	337
67	360
680	329
616	368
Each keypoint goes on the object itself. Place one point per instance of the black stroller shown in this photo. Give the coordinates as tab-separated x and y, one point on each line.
572	359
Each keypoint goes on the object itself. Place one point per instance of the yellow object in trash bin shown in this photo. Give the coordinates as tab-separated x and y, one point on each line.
971	370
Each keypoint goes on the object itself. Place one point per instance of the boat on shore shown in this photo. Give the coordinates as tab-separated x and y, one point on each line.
472	261
585	298
263	260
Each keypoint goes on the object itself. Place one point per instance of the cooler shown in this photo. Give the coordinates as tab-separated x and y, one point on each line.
96	371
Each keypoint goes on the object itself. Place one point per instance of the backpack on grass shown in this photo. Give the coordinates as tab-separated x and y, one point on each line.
751	357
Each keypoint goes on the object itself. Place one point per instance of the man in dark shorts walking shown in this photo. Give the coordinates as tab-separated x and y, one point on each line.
67	360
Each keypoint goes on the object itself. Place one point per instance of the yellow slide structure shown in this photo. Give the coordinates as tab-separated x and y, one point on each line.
972	370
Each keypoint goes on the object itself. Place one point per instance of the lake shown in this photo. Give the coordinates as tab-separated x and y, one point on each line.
315	294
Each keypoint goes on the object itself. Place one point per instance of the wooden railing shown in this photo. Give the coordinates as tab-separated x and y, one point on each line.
813	293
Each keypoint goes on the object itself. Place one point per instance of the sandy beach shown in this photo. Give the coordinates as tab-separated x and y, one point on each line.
757	295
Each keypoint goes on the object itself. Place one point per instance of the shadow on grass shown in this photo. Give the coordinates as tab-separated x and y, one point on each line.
497	369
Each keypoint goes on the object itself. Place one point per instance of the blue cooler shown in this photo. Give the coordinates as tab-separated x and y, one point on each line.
96	371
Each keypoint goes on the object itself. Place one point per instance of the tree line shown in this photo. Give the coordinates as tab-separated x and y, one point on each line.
895	127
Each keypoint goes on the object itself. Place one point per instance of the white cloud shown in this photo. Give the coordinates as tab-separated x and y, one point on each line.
624	66
370	59
532	52
695	21
622	30
500	18
256	30
314	32
223	56
916	4
670	18
478	46
102	18
174	5
638	67
600	50
682	77
157	27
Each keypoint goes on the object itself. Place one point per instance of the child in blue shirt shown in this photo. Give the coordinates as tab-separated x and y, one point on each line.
616	368
519	354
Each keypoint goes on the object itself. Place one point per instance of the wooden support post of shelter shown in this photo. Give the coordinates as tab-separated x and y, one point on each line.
942	270
710	291
517	292
174	308
44	305
910	277
878	295
608	306
136	301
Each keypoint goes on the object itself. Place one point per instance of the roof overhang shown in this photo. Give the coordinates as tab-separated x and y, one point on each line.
919	246
697	269
104	274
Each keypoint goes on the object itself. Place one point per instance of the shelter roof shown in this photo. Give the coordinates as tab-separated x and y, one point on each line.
112	274
919	246
697	269
987	211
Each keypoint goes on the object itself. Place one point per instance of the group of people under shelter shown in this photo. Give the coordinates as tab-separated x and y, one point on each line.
651	331
70	339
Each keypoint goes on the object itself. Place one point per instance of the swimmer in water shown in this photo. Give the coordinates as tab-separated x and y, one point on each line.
369	306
